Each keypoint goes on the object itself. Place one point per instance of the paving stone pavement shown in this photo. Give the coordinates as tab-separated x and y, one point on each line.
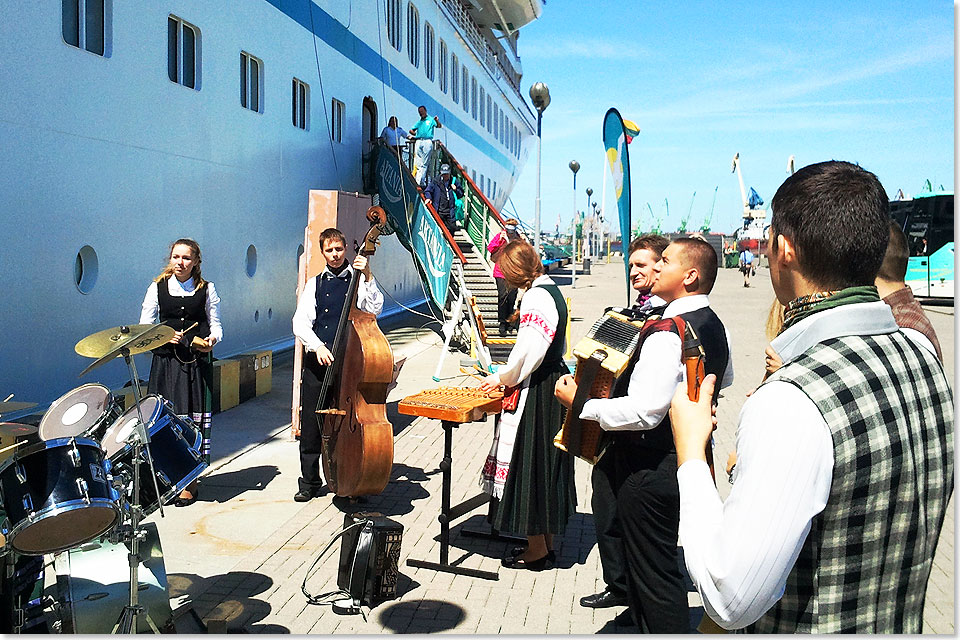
239	556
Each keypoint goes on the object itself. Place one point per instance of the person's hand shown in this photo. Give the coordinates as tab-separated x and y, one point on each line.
731	462
177	336
693	422
207	347
565	390
324	356
772	361
490	383
361	264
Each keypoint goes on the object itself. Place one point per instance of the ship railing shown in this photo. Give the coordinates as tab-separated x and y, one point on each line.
492	59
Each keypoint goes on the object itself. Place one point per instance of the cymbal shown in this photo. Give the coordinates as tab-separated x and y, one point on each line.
108	344
99	344
16	429
6	407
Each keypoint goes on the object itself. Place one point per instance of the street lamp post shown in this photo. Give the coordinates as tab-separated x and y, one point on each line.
574	166
587	226
540	96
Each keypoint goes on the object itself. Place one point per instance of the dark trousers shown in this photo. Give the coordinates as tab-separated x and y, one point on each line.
648	505
310	425
609	533
506	299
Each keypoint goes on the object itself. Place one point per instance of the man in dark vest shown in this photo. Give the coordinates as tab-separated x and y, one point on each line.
315	325
644	479
845	454
442	193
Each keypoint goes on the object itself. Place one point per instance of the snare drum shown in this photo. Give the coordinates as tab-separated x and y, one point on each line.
57	495
174	446
93	584
86	410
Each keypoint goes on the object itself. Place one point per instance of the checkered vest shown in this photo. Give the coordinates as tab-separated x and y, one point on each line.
865	563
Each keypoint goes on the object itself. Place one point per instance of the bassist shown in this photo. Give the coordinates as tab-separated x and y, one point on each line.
315	324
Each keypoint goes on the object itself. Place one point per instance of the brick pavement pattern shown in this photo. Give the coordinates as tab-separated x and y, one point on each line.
240	556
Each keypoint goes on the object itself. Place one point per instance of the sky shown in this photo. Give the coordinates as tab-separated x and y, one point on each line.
867	82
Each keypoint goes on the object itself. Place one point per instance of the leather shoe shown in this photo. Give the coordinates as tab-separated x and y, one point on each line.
304	495
602	600
520	549
184	502
518	562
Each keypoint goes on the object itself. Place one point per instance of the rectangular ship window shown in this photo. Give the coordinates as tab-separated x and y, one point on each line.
394	32
183	53
413	35
428	38
466	90
336	120
86	24
442	66
454	78
251	82
300	104
483	119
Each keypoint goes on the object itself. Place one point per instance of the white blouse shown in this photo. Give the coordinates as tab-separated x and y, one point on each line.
150	311
369	299
538	325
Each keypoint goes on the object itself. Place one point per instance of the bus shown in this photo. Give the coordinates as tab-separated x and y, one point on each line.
927	221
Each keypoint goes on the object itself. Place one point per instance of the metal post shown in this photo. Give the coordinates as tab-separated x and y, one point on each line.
536	214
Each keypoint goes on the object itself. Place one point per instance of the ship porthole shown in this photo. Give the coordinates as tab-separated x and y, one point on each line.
256	316
86	268
270	313
251	261
299	253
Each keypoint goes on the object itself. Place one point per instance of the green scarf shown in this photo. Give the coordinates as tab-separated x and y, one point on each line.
807	305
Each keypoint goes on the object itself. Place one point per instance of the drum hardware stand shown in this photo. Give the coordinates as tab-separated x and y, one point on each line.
127	622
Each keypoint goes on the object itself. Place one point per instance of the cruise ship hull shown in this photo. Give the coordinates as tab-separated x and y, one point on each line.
106	161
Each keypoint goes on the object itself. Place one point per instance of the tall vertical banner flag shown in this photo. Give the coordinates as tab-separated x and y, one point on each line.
615	140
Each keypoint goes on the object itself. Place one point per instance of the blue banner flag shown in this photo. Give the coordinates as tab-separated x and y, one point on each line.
416	227
615	142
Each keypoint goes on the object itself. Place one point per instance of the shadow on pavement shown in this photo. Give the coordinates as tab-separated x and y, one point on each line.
225	486
237	609
421	616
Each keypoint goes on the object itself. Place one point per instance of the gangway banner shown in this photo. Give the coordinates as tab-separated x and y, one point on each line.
416	228
615	141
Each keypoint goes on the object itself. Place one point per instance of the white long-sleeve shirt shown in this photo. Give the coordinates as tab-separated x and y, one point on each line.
538	325
150	309
369	299
740	552
654	380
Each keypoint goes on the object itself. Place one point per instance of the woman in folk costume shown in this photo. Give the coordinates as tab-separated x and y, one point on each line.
182	370
532	479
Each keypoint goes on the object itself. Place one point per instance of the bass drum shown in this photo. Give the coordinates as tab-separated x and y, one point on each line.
93	584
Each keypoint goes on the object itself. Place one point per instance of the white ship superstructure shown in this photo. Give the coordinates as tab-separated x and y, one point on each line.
125	125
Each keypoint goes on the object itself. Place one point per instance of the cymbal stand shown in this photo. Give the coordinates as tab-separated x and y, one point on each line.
127	622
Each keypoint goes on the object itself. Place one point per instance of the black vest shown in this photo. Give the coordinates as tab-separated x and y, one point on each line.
181	312
714	340
331	296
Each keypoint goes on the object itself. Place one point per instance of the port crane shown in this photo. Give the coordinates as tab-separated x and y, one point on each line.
683	223
705	227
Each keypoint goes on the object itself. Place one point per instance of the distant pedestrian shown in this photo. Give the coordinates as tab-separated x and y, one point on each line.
443	194
506	295
423	134
393	136
894	290
747	267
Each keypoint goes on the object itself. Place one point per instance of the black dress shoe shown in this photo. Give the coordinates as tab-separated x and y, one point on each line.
603	600
534	565
520	549
184	502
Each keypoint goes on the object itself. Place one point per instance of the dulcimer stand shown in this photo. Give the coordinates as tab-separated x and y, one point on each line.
450	513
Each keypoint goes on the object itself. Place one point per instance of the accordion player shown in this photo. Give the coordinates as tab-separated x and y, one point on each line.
603	355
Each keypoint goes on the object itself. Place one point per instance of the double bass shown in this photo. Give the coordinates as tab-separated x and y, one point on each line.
356	437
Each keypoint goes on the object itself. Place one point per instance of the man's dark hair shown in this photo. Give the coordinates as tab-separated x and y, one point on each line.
894	265
422	107
652	241
332	234
698	253
836	214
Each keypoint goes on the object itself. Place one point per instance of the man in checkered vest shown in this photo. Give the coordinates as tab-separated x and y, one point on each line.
845	455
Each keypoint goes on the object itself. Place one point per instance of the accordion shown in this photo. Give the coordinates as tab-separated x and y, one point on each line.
602	357
369	558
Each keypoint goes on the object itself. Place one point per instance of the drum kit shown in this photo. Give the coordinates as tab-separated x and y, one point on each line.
83	483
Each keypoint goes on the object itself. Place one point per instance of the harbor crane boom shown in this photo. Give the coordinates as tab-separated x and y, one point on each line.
683	223
705	228
735	168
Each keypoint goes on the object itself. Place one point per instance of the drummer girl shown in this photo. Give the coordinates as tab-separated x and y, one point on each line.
182	370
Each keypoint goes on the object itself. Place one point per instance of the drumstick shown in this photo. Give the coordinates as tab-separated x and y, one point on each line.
466	372
190	328
13	446
7	399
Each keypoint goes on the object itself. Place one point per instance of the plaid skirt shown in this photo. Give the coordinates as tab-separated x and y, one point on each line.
187	385
539	495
